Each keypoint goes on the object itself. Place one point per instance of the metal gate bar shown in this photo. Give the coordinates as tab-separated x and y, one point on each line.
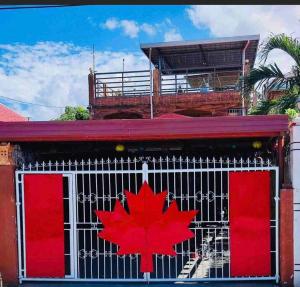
195	183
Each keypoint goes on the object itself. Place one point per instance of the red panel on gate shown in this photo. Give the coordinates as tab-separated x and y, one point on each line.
249	201
44	225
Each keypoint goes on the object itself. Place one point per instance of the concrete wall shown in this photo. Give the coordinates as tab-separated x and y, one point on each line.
295	169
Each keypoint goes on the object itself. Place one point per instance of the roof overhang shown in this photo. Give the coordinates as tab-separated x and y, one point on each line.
145	130
219	54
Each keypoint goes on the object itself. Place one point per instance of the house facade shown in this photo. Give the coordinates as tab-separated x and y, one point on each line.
192	78
55	175
160	185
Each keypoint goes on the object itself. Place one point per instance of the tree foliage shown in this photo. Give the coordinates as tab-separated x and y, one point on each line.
282	105
269	77
74	113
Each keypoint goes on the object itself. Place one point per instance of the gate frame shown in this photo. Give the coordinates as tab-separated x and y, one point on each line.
144	171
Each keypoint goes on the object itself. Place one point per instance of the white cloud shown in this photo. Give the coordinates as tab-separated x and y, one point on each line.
229	20
111	24
148	29
130	28
133	28
240	20
54	74
172	35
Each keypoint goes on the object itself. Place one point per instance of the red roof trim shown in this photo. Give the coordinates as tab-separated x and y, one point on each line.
138	130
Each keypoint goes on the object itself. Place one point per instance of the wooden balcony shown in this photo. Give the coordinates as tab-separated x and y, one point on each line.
127	94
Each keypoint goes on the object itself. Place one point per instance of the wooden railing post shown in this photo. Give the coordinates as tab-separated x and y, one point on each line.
156	82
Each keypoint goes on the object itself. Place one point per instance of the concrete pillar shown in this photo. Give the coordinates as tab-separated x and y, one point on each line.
8	230
286	237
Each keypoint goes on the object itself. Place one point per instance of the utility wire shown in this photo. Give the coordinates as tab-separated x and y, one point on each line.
29	103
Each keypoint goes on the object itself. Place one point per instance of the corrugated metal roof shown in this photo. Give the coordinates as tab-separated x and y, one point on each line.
221	54
138	130
8	115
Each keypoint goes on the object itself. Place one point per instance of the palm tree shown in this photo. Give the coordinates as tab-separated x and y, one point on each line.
268	77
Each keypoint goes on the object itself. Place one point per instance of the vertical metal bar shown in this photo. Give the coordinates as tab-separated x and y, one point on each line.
109	197
215	251
228	211
123	79
97	207
135	175
116	192
151	85
186	81
145	171
243	79
207	198
181	204
90	216
145	178
71	222
277	222
215	193
188	208
175	197
76	219
19	204
24	226
122	183
221	193
103	202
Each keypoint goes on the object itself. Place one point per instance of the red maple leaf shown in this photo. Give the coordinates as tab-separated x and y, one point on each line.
146	230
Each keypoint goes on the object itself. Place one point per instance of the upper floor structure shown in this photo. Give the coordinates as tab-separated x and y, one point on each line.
191	78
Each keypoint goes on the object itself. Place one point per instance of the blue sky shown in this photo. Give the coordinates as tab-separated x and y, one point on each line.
45	54
82	25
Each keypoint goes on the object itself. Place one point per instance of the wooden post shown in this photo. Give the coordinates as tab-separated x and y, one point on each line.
156	82
8	229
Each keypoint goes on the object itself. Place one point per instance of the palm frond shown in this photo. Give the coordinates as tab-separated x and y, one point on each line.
283	42
266	78
263	107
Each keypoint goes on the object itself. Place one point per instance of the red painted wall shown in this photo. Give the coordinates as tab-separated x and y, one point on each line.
8	230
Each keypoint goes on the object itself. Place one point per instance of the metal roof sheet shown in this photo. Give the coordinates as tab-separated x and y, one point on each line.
203	55
145	129
9	115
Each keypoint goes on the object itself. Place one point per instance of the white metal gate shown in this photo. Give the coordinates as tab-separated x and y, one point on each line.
195	183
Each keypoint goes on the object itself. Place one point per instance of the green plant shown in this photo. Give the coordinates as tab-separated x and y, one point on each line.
292	113
268	77
74	113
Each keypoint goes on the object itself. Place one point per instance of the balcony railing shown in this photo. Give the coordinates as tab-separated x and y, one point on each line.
145	82
129	83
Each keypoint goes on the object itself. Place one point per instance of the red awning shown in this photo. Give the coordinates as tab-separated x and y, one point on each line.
138	130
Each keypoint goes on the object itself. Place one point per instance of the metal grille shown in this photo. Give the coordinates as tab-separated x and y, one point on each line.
194	183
